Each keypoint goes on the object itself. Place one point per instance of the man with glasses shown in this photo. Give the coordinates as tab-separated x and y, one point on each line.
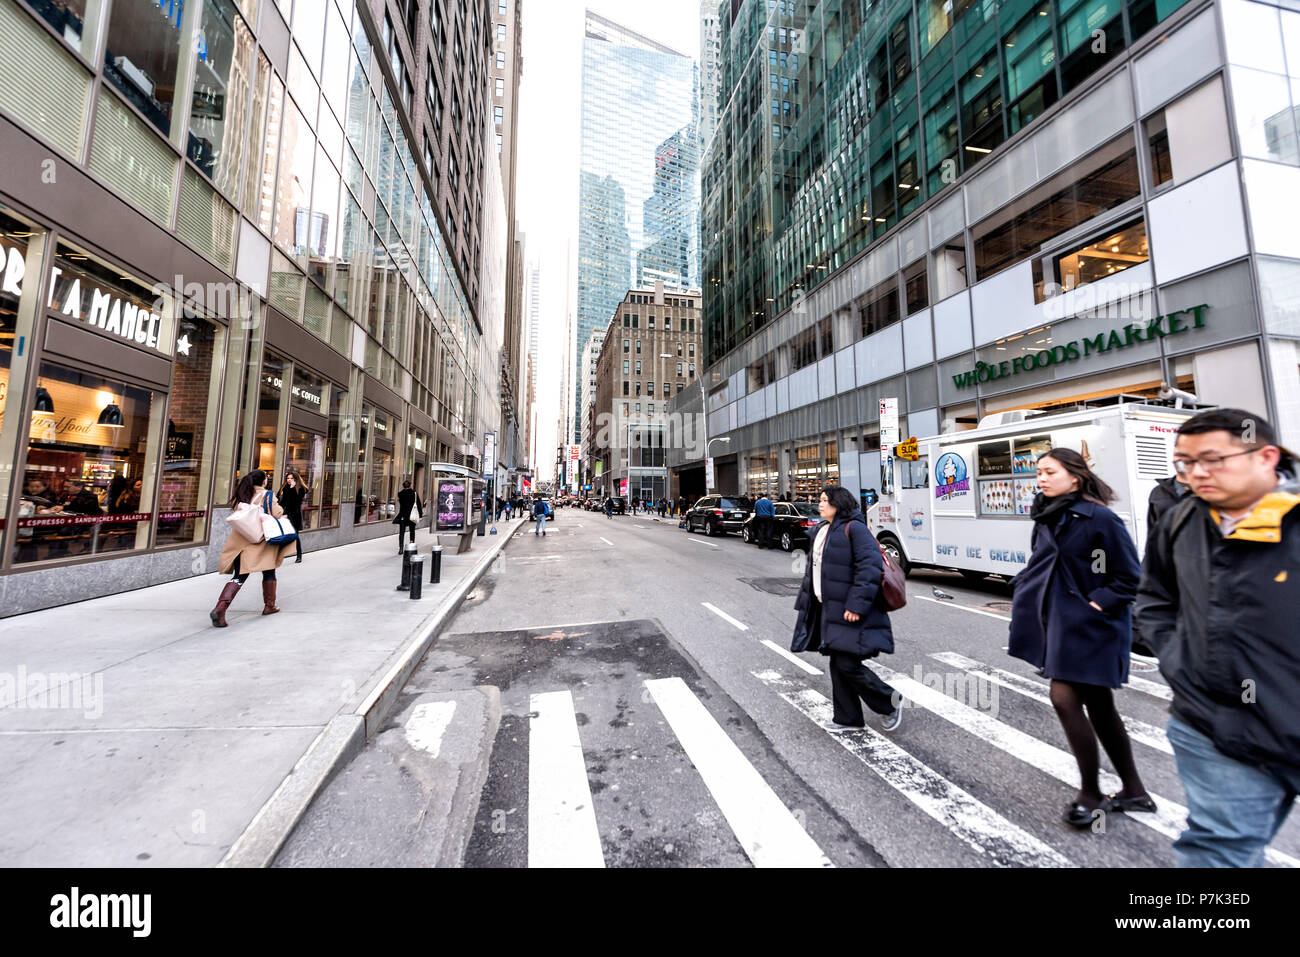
1219	604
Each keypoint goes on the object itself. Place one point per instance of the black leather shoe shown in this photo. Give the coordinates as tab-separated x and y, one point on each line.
1076	815
1142	803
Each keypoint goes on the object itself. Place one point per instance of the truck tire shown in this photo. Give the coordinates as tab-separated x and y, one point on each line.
895	553
972	576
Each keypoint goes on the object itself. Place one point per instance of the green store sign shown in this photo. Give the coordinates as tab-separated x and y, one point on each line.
1173	324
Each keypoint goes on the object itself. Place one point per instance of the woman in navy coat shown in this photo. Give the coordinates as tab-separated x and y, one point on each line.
842	613
1071	618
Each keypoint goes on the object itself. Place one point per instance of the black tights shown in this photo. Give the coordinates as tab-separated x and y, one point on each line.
268	576
1102	721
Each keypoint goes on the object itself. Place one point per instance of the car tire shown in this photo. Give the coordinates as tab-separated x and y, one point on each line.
710	529
746	536
787	543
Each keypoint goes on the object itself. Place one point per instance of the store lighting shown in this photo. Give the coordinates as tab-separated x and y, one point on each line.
111	417
44	404
978	149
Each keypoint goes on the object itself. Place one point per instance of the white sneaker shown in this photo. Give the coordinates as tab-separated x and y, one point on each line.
835	728
892	721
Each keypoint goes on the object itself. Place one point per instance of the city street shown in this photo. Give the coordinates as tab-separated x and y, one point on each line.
662	658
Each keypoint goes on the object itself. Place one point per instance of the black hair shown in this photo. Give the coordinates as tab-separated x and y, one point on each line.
244	490
1091	487
1236	422
406	485
842	500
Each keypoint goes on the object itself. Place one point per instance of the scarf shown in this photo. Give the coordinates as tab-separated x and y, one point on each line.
1048	511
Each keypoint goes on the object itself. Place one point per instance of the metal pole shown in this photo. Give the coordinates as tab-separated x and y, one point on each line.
407	554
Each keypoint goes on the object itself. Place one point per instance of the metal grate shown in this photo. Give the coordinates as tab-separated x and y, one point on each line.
1153	457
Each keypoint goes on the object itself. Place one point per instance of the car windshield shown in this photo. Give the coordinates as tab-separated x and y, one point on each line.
735	503
809	510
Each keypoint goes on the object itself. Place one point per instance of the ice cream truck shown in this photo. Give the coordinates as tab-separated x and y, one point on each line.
964	501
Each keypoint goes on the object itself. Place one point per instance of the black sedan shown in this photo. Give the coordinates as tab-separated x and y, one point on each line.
719	514
791	526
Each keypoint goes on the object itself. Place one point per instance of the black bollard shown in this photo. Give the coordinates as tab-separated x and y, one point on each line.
435	576
417	577
407	552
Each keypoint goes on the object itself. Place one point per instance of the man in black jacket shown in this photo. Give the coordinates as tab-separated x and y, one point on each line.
407	501
1219	602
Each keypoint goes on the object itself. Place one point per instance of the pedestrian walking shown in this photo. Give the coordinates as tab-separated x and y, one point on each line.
407	502
1219	600
292	494
609	509
1071	619
241	557
539	513
764	513
842	613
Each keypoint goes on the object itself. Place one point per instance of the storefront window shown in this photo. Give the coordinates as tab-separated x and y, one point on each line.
305	454
88	487
806	479
308	391
361	510
383	475
332	480
69	18
183	507
270	399
224	51
143	55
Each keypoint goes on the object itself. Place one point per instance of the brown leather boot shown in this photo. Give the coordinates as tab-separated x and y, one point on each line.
218	614
268	598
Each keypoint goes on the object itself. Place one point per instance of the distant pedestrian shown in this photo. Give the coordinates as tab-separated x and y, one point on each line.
539	513
1218	602
764	513
609	509
292	495
407	502
842	613
241	557
1070	618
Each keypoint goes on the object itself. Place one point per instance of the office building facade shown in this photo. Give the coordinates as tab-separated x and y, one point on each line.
994	207
263	248
638	195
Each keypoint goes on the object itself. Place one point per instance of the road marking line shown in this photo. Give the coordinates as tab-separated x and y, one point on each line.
792	657
1148	734
427	724
770	835
976	824
722	614
1153	688
974	611
607	542
698	542
642	527
562	828
1169	820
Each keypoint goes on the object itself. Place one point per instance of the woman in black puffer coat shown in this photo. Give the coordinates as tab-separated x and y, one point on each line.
842	612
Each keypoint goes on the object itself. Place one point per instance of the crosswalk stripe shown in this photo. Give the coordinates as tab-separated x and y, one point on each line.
562	828
1169	820
976	824
770	835
1147	734
1153	688
949	604
792	658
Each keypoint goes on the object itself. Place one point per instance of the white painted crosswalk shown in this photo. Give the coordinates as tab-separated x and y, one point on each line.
562	828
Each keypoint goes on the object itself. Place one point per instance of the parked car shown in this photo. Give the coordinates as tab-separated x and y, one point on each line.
719	514
620	505
790	526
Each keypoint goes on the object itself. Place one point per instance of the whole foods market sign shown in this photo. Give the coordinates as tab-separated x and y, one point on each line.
1137	333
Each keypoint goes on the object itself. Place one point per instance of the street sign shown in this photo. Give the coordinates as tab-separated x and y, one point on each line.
908	450
708	474
889	434
489	455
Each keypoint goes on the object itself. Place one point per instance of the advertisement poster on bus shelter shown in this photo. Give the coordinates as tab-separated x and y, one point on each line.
453	499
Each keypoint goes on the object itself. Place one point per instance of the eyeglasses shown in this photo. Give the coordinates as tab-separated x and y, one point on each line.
1211	462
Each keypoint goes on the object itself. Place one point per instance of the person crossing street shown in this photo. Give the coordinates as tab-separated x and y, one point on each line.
540	512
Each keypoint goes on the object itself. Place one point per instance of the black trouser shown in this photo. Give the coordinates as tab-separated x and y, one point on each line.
764	529
402	526
268	576
852	682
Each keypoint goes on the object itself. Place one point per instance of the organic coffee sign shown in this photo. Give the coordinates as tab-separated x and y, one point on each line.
1137	333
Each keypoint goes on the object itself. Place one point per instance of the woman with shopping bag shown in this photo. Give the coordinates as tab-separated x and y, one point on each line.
260	540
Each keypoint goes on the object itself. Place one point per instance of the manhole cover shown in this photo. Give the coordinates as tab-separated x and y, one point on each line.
1136	664
784	587
998	605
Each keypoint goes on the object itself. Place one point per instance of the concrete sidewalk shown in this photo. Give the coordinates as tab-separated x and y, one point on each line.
168	742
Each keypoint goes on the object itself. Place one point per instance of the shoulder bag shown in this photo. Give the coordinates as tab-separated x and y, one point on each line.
246	519
893	583
276	531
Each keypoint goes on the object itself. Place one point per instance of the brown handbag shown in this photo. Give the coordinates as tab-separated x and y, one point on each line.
893	583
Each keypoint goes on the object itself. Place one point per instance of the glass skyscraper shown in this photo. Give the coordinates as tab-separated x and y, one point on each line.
639	201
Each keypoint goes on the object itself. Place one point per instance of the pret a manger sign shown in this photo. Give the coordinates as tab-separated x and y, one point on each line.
1161	327
107	312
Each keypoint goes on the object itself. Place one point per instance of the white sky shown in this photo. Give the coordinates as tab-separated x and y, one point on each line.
549	143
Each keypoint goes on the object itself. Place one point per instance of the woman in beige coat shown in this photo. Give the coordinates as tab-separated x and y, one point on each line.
241	557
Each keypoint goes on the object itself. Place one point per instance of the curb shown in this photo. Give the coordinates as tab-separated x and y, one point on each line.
345	736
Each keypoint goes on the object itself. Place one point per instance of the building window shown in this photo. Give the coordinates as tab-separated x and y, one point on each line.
91	459
453	175
652	322
638	347
142	56
1121	248
650	408
679	370
636	324
949	263
1102	181
638	392
638	365
500	86
692	370
501	33
501	59
627	346
498	115
879	308
627	321
500	144
668	323
803	350
680	387
650	389
692	349
501	8
827	338
638	405
626	369
625	387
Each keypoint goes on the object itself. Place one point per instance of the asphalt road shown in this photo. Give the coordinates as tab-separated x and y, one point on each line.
657	662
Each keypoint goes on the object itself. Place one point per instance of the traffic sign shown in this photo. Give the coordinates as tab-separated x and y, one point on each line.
908	450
